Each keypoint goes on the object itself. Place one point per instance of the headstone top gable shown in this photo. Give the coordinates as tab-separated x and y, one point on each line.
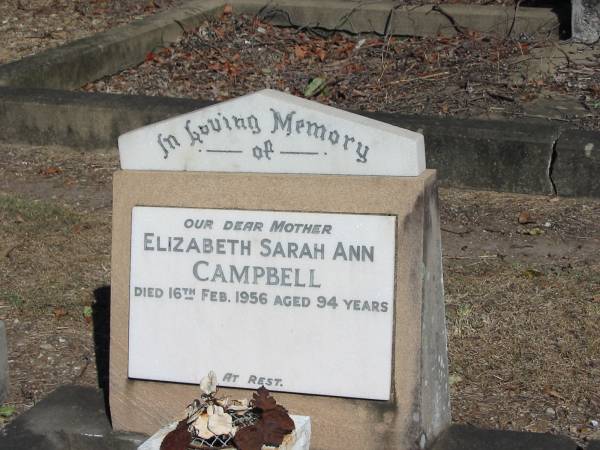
274	132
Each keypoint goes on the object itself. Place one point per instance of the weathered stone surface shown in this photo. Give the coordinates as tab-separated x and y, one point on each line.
385	16
71	417
511	156
274	132
3	362
78	119
483	154
466	437
577	164
585	21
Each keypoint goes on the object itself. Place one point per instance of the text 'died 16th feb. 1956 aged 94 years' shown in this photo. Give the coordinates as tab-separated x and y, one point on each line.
260	297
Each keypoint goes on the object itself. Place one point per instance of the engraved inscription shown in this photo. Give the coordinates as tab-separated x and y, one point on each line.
286	123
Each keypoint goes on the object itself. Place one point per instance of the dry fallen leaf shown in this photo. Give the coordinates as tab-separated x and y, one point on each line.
276	425
249	438
60	312
227	9
300	52
50	171
178	439
552	393
263	400
322	54
525	217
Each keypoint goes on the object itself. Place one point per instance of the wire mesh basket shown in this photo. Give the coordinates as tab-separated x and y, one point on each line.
224	440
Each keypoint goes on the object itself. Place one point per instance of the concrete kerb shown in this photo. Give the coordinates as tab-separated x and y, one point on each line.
576	164
74	64
389	18
74	418
467	437
78	119
509	156
502	156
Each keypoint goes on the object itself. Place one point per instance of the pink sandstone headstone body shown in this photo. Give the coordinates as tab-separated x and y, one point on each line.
378	237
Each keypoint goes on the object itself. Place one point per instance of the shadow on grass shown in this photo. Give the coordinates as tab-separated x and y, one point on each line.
101	320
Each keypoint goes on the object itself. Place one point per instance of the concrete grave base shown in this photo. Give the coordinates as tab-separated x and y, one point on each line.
72	417
466	437
418	408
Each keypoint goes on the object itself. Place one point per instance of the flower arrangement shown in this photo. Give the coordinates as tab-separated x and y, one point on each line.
211	422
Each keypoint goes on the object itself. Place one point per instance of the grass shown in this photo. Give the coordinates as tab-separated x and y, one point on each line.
51	256
12	298
18	215
521	343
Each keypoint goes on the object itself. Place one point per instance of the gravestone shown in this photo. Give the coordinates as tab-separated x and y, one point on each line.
585	21
283	243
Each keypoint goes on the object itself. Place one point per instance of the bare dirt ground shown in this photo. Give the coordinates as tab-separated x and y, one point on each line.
523	299
30	26
469	75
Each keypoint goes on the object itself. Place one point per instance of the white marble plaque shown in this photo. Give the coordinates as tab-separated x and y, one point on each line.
298	302
274	132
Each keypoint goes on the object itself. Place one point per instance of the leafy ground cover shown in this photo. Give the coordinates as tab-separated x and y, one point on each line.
469	75
30	26
521	273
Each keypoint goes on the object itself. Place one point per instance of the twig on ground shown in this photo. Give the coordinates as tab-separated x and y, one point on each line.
538	116
460	233
472	257
424	77
564	53
514	19
498	96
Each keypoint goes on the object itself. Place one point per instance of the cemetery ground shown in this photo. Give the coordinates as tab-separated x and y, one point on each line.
471	74
31	26
34	25
521	274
